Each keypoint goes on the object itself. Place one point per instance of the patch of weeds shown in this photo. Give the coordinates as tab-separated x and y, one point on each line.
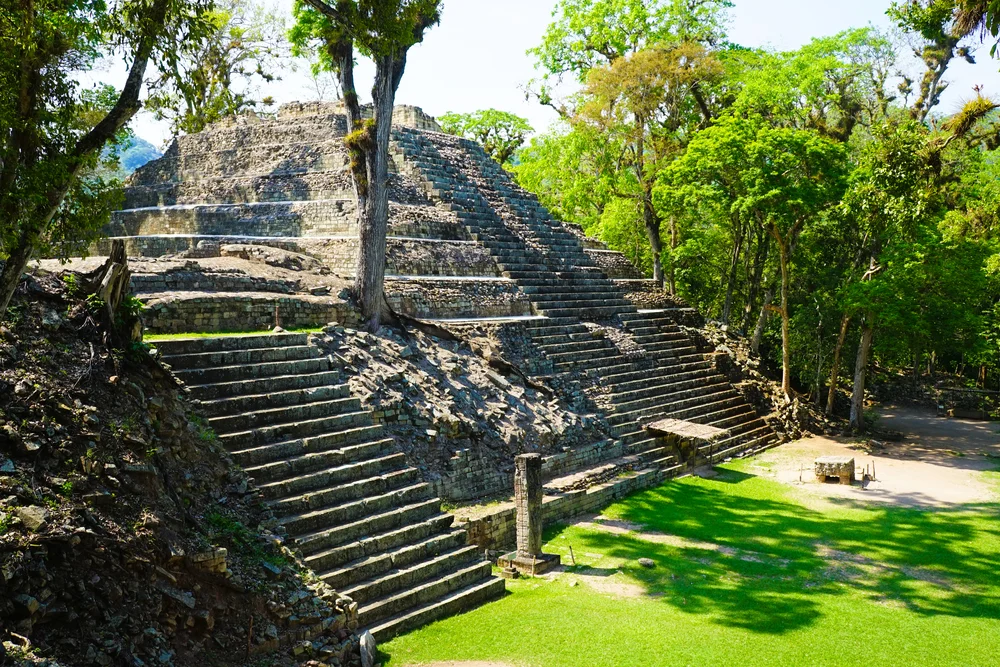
448	507
6	521
123	427
205	432
73	286
66	488
243	539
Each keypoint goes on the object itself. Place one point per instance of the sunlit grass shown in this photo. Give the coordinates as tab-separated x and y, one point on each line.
157	338
748	573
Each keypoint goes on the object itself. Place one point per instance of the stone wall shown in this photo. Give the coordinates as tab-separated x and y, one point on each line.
614	264
215	281
243	189
457	298
205	312
402	115
496	528
294	218
471	476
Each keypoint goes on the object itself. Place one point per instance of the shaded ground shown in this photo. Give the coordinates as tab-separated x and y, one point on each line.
747	571
940	461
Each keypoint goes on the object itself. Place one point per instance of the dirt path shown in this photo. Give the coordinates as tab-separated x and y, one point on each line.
939	463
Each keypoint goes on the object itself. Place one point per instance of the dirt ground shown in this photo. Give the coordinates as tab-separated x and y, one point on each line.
938	463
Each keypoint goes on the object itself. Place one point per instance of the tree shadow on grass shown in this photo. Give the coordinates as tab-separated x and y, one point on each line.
775	560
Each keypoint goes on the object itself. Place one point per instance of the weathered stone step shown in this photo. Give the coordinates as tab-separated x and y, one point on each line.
198	345
656	386
423	593
318	481
218	374
452	603
592	362
586	313
369	553
203	360
345	514
407	575
262	386
344	439
644	377
245	402
673	395
583	352
326	538
708	412
669	405
305	463
296	413
351	491
295	430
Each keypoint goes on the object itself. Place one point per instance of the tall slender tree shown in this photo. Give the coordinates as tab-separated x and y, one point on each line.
384	31
52	130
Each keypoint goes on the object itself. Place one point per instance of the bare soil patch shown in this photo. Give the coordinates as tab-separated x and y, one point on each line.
939	463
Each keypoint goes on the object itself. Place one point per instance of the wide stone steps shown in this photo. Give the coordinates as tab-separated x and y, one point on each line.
448	605
219	374
283	468
247	402
295	430
409	573
425	592
360	472
671	406
335	563
325	444
294	413
200	345
346	497
325	539
672	394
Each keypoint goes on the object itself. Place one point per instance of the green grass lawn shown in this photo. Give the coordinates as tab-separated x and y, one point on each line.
751	572
156	338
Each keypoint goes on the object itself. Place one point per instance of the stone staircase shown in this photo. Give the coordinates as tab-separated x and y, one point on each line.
364	521
549	263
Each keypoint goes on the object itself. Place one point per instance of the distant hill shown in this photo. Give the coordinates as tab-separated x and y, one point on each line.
134	153
137	154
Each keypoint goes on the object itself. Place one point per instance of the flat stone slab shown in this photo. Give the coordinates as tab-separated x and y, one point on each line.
687	430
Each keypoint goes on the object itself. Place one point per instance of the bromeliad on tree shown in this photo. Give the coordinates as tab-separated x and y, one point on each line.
383	30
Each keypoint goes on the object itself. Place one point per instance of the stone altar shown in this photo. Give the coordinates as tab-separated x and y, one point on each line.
841	467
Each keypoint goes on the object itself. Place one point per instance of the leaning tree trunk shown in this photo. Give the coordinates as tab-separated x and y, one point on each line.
112	283
652	224
369	285
786	338
734	266
758	332
10	277
675	240
860	369
831	397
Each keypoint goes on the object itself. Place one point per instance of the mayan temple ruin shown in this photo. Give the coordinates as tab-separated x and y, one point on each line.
251	225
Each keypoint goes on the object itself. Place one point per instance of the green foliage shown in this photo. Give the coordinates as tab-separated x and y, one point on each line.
216	76
753	574
499	132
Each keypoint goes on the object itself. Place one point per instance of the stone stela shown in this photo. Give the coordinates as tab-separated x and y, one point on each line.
528	558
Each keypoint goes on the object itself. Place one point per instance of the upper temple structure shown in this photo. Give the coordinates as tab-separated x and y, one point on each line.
251	224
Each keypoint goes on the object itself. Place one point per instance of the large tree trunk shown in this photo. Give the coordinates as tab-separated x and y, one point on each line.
758	332
675	240
756	279
786	339
40	216
831	396
734	267
17	260
860	369
652	223
370	283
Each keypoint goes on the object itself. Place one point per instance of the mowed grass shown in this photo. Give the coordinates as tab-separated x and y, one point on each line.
752	573
156	338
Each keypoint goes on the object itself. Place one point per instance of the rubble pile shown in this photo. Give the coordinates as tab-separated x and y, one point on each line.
127	537
438	396
761	387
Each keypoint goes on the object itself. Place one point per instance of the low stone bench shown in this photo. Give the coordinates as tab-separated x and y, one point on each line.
841	467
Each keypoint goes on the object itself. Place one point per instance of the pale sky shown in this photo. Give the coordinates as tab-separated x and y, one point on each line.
475	59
